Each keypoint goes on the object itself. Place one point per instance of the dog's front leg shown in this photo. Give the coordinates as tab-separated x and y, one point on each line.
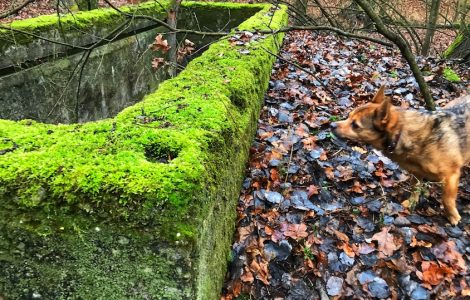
416	188
451	185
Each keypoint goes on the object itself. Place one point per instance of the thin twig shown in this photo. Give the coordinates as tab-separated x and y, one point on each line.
15	10
303	69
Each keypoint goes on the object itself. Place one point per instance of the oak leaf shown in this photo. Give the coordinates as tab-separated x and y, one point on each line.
160	44
386	243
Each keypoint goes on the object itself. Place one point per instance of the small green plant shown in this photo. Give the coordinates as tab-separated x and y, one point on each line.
308	254
394	74
450	75
382	219
334	119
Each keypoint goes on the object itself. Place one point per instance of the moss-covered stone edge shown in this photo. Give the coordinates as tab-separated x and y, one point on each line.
458	40
104	17
110	169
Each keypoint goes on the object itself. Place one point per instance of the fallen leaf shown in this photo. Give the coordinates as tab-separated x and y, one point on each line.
433	274
247	276
296	231
160	44
386	243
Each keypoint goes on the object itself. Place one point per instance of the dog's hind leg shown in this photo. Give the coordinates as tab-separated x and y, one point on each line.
449	197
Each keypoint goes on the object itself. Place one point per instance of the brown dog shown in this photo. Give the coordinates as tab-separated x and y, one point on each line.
430	145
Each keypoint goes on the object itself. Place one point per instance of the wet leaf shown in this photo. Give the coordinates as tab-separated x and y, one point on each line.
334	286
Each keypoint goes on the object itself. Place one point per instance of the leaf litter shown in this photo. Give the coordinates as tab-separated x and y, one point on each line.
319	217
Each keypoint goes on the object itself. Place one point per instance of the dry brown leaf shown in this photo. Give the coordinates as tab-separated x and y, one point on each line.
345	173
244	232
157	62
343	237
309	143
447	253
357	188
366	248
348	249
312	190
433	274
296	231
160	44
386	243
247	276
329	173
275	175
419	243
261	271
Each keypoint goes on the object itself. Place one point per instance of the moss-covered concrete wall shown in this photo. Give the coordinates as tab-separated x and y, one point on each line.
460	47
71	87
140	206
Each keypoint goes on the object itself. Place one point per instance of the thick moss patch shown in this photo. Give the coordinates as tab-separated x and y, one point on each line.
450	75
166	171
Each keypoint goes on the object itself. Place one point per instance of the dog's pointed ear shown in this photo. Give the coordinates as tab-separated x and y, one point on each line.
379	96
383	112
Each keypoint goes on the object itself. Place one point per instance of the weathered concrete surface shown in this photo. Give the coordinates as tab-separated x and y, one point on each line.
114	76
81	88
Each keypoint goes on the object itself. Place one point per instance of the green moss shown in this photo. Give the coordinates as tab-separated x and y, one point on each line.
226	5
450	75
454	45
97	261
73	25
170	166
83	19
120	159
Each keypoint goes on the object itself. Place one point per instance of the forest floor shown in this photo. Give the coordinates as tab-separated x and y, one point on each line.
319	217
45	7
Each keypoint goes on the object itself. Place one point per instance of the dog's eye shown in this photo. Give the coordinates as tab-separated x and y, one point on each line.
354	125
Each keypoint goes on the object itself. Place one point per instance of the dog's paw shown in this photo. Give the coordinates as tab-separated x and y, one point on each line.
454	218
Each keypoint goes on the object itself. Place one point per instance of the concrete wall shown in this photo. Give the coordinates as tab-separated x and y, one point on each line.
73	87
68	90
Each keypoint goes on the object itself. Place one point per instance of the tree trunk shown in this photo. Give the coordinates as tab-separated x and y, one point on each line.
87	4
172	42
433	13
404	49
301	11
461	12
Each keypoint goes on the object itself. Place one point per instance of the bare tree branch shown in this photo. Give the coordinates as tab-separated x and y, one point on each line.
326	14
41	37
404	49
333	29
433	13
16	9
303	69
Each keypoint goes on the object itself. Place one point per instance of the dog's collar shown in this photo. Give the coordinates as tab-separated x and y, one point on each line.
392	143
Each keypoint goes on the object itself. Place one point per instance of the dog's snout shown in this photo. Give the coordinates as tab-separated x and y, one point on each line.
334	125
